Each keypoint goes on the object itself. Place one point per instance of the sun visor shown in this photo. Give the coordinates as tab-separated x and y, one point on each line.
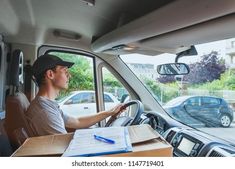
174	16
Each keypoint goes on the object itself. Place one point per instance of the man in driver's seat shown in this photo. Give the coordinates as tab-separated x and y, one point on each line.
51	75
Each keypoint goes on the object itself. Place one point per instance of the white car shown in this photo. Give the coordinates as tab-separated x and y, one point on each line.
82	103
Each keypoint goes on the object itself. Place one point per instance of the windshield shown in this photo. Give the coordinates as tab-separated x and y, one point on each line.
204	98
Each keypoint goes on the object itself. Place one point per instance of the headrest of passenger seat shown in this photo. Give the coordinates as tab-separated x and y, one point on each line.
16	68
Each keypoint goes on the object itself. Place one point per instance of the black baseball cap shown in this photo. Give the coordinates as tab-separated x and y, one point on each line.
46	62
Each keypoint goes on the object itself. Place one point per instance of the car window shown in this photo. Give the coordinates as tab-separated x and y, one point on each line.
195	101
211	78
175	102
210	101
87	98
61	99
112	86
83	98
107	98
115	88
81	82
76	99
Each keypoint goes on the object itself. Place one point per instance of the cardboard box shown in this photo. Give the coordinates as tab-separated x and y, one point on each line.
145	141
51	145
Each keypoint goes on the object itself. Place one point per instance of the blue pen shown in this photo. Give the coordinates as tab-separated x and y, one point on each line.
106	140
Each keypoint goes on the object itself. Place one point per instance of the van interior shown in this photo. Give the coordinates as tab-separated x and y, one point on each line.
111	42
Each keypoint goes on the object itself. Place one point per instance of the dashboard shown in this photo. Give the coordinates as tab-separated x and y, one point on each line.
187	141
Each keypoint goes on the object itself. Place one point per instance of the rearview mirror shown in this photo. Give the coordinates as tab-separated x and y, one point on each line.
190	52
173	69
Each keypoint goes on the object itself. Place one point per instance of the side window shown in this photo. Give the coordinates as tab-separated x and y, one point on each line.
210	101
193	101
214	101
83	98
117	92
87	98
76	99
82	79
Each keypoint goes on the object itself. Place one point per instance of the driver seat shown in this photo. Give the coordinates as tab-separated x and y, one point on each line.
17	103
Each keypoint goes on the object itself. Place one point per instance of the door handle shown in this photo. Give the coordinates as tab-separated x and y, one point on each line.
85	107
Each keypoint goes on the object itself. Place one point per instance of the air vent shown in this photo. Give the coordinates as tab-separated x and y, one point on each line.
170	136
229	151
215	154
220	152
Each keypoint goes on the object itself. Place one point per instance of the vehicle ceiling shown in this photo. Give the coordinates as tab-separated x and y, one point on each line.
28	21
111	23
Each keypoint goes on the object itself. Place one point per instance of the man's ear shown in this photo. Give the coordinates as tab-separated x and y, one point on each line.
50	74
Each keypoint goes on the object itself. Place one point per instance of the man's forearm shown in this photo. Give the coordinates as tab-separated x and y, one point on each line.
87	121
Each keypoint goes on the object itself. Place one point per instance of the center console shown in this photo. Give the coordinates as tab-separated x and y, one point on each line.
185	145
187	142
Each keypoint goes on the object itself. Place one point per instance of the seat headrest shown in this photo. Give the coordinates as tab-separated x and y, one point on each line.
16	68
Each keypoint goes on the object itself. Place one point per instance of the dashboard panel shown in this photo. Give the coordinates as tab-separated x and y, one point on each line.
187	141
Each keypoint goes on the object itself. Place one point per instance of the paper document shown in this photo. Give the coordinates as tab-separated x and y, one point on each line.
142	133
84	143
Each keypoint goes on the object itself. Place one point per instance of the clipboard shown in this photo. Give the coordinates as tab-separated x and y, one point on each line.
84	144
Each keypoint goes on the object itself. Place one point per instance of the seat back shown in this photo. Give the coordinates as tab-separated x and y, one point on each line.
16	104
5	147
20	135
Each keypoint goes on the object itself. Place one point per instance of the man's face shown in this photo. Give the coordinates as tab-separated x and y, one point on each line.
61	77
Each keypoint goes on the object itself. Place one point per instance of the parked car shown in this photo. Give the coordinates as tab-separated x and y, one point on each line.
201	110
82	103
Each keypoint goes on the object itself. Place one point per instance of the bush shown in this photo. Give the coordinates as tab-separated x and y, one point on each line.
208	69
162	93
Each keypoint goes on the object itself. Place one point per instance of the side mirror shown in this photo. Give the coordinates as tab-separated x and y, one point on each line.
173	69
70	101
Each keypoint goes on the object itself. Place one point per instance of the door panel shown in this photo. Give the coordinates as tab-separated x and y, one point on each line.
193	107
210	108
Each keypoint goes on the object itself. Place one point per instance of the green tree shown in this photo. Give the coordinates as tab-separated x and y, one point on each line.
208	69
225	82
162	93
109	80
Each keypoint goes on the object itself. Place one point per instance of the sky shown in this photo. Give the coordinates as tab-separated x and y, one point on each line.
219	46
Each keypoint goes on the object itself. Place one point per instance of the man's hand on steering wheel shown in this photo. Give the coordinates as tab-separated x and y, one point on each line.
118	109
125	120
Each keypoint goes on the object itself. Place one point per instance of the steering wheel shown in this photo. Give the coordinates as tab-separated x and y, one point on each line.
126	120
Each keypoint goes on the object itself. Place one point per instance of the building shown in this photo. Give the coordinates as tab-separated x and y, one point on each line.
230	52
144	70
